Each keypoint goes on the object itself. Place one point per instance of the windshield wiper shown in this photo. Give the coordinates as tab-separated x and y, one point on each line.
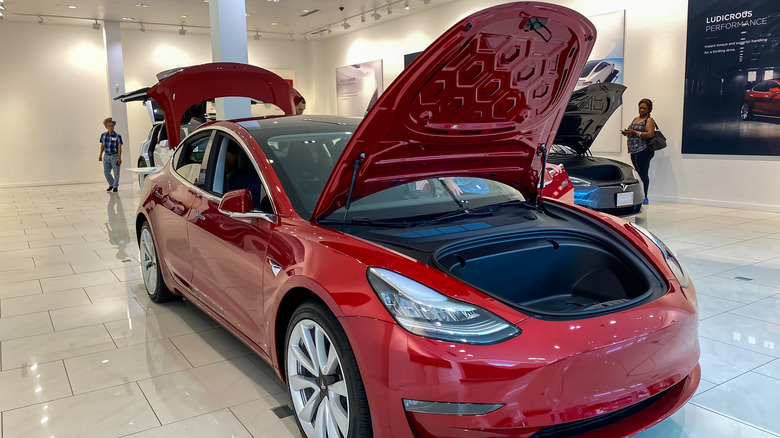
480	211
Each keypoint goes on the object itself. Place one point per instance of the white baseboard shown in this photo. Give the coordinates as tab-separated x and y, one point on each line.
716	203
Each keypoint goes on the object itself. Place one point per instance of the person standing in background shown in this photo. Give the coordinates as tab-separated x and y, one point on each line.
300	105
111	154
641	129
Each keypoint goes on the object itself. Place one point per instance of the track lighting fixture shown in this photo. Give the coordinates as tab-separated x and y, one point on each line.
376	15
330	30
345	25
425	2
96	25
40	20
142	29
406	5
182	31
389	9
363	17
257	36
291	38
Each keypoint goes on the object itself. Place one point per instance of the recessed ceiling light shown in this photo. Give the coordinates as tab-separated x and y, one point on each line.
248	15
142	5
71	6
183	16
305	11
128	18
274	23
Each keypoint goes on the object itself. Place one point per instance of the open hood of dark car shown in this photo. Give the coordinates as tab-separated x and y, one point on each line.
588	110
480	101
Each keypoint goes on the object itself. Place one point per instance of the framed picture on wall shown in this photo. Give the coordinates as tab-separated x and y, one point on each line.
357	87
732	78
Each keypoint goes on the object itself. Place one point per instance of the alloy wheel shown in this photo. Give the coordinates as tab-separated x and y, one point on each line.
744	111
316	380
148	261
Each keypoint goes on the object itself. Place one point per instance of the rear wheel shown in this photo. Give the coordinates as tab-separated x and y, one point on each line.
744	111
141	162
150	267
323	379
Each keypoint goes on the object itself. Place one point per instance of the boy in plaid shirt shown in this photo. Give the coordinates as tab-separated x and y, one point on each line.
111	147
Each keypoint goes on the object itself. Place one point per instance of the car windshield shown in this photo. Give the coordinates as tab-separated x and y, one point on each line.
588	67
560	149
303	158
426	201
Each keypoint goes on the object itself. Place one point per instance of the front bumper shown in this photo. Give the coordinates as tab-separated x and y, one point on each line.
605	197
543	379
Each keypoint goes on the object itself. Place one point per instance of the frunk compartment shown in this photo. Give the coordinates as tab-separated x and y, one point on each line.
556	273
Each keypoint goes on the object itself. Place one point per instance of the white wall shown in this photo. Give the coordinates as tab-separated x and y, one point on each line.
53	99
54	93
57	79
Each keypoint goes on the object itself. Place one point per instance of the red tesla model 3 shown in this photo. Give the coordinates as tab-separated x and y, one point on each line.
401	272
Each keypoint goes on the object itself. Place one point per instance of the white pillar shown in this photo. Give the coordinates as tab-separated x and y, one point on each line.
229	44
112	41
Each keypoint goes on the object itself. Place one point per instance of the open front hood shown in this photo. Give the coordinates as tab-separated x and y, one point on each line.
588	110
179	89
480	101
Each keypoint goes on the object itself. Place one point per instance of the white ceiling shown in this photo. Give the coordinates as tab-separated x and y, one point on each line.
296	17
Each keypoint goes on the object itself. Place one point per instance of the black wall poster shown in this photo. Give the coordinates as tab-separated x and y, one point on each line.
732	90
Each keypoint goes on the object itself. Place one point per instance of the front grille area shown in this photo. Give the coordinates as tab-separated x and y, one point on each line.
590	424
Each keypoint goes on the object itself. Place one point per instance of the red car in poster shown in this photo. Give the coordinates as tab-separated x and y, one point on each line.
401	272
763	100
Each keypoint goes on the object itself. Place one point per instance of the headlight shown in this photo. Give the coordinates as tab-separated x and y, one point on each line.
579	182
636	174
426	312
671	260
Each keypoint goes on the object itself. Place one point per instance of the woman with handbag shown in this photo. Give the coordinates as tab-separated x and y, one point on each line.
638	133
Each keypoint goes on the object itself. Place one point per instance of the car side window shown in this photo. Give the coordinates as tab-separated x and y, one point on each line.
762	87
231	167
188	161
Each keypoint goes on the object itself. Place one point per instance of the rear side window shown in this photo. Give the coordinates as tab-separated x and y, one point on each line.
762	86
188	160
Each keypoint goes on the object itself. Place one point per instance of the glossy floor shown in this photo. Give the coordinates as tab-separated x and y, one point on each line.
84	353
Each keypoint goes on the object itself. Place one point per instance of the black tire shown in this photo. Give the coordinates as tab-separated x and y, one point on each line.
150	267
338	380
744	111
141	162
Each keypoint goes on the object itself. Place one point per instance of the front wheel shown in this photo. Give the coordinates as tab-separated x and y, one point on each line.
744	111
150	267
323	379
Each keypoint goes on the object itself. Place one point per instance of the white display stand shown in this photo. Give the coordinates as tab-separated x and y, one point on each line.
142	172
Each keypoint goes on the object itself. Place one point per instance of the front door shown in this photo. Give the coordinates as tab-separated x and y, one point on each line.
228	254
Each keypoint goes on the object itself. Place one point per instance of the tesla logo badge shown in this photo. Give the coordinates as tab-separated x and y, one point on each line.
275	268
624	186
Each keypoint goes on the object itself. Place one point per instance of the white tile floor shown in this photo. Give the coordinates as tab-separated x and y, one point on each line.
83	353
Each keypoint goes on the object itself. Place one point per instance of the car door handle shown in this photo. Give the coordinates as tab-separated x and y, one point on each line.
199	216
158	192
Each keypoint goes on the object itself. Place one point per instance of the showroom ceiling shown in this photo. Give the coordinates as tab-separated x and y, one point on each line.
268	18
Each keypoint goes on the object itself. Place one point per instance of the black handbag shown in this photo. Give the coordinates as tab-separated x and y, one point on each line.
658	142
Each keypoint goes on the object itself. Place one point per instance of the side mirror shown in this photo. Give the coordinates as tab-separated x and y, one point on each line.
236	201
